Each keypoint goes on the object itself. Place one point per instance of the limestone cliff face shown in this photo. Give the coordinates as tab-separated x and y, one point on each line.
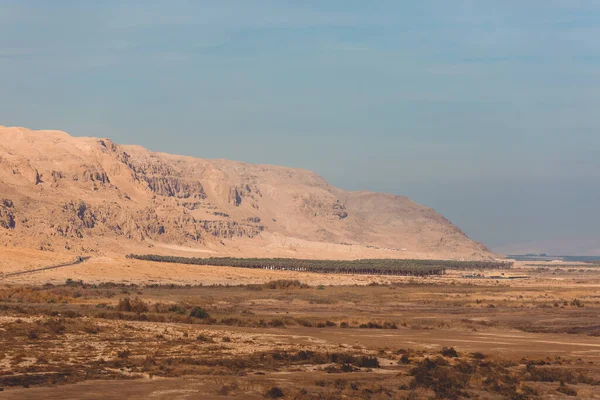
59	192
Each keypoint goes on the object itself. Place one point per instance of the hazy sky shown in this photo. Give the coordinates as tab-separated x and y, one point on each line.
485	110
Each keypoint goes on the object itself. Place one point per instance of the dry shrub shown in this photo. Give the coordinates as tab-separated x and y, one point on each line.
438	376
277	323
136	305
371	325
227	389
555	374
204	338
55	326
564	389
367	362
304	322
274	393
123	354
449	352
199	312
577	303
36	295
285	284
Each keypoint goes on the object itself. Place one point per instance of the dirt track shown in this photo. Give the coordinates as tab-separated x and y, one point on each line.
77	261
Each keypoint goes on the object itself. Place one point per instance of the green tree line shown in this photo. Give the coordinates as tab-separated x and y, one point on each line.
365	266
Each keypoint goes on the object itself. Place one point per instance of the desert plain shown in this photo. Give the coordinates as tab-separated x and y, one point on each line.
114	327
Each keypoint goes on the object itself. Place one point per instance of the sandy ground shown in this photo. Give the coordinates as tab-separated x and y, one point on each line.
120	269
100	269
552	316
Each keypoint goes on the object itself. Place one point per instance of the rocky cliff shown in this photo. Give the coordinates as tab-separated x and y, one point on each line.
63	193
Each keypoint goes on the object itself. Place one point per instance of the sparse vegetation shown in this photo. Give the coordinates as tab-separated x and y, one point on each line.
336	342
274	393
136	305
199	312
449	352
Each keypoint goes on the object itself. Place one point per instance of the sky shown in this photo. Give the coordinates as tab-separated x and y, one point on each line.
485	110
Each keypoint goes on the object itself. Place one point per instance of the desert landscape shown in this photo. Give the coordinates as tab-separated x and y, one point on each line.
299	200
131	274
82	332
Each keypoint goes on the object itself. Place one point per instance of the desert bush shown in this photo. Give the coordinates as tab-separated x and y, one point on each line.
449	352
199	312
438	376
555	374
367	362
70	314
277	323
136	305
55	326
232	322
204	338
123	354
389	325
227	389
285	284
274	393
549	374
564	389
91	328
371	325
577	303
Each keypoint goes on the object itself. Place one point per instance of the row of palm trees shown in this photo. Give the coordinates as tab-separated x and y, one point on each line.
365	266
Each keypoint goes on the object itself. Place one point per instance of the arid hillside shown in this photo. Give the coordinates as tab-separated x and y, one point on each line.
89	195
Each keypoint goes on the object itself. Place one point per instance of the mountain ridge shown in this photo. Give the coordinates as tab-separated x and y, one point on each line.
92	195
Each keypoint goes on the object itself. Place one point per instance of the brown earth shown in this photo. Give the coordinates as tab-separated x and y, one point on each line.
537	338
81	195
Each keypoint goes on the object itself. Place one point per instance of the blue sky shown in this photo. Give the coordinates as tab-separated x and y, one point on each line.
484	110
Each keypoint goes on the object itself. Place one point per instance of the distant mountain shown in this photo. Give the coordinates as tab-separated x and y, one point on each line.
86	195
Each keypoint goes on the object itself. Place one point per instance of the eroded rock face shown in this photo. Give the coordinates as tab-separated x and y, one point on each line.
328	208
339	210
235	196
163	179
82	220
85	216
173	186
245	191
7	216
231	229
93	174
